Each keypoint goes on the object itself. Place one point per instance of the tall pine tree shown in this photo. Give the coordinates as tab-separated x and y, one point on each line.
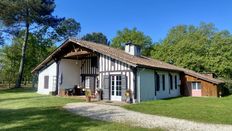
30	16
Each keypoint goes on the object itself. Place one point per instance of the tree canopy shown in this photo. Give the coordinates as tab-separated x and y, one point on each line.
134	36
97	37
11	54
33	16
201	48
67	28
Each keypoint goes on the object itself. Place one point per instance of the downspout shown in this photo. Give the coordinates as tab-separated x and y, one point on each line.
138	80
138	70
57	76
138	84
135	84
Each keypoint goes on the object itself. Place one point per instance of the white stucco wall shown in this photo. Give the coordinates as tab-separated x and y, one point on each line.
132	49
165	93
51	72
146	85
70	71
147	90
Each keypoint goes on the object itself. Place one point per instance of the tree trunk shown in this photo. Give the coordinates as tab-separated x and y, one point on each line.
23	58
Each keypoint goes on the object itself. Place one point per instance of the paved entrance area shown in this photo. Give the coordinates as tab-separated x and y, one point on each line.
118	114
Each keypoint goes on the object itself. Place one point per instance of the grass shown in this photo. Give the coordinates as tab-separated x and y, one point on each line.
204	109
23	109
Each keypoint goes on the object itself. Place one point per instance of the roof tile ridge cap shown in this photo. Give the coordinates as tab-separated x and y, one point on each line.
74	39
95	43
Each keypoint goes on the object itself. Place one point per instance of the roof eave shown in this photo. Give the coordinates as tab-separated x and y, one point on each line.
160	68
211	81
49	58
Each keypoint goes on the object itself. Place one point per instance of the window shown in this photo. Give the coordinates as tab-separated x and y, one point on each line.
116	85
163	81
157	82
46	82
94	62
196	86
176	82
170	80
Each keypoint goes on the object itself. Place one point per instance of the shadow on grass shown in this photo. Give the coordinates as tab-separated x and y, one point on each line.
20	98
52	118
18	90
173	98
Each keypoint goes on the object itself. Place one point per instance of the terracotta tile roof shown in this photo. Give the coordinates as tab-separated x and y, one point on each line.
136	61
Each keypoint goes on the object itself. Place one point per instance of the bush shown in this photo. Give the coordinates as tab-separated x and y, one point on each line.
226	88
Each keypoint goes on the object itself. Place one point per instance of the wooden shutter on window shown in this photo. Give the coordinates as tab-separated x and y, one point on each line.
124	87
188	89
157	82
106	90
46	82
176	82
171	81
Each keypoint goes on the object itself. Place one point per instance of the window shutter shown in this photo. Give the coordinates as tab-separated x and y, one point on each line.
176	82
157	82
188	90
163	80
106	90
124	87
171	81
46	82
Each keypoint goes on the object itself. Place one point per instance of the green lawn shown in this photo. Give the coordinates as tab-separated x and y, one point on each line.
209	110
23	109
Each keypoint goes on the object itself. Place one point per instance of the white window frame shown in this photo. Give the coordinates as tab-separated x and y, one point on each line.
116	83
197	84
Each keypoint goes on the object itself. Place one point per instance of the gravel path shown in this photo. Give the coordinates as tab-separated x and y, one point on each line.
119	114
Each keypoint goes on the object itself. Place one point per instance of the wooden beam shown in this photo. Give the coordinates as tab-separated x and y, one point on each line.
71	54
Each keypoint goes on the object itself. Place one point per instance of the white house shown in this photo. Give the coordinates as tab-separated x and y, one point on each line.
91	65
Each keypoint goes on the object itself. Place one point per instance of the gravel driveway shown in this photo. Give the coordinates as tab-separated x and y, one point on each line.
119	114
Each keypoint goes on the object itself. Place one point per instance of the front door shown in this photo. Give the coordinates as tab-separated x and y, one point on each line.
116	87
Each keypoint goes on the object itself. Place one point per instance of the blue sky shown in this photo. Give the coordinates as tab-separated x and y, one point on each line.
153	17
